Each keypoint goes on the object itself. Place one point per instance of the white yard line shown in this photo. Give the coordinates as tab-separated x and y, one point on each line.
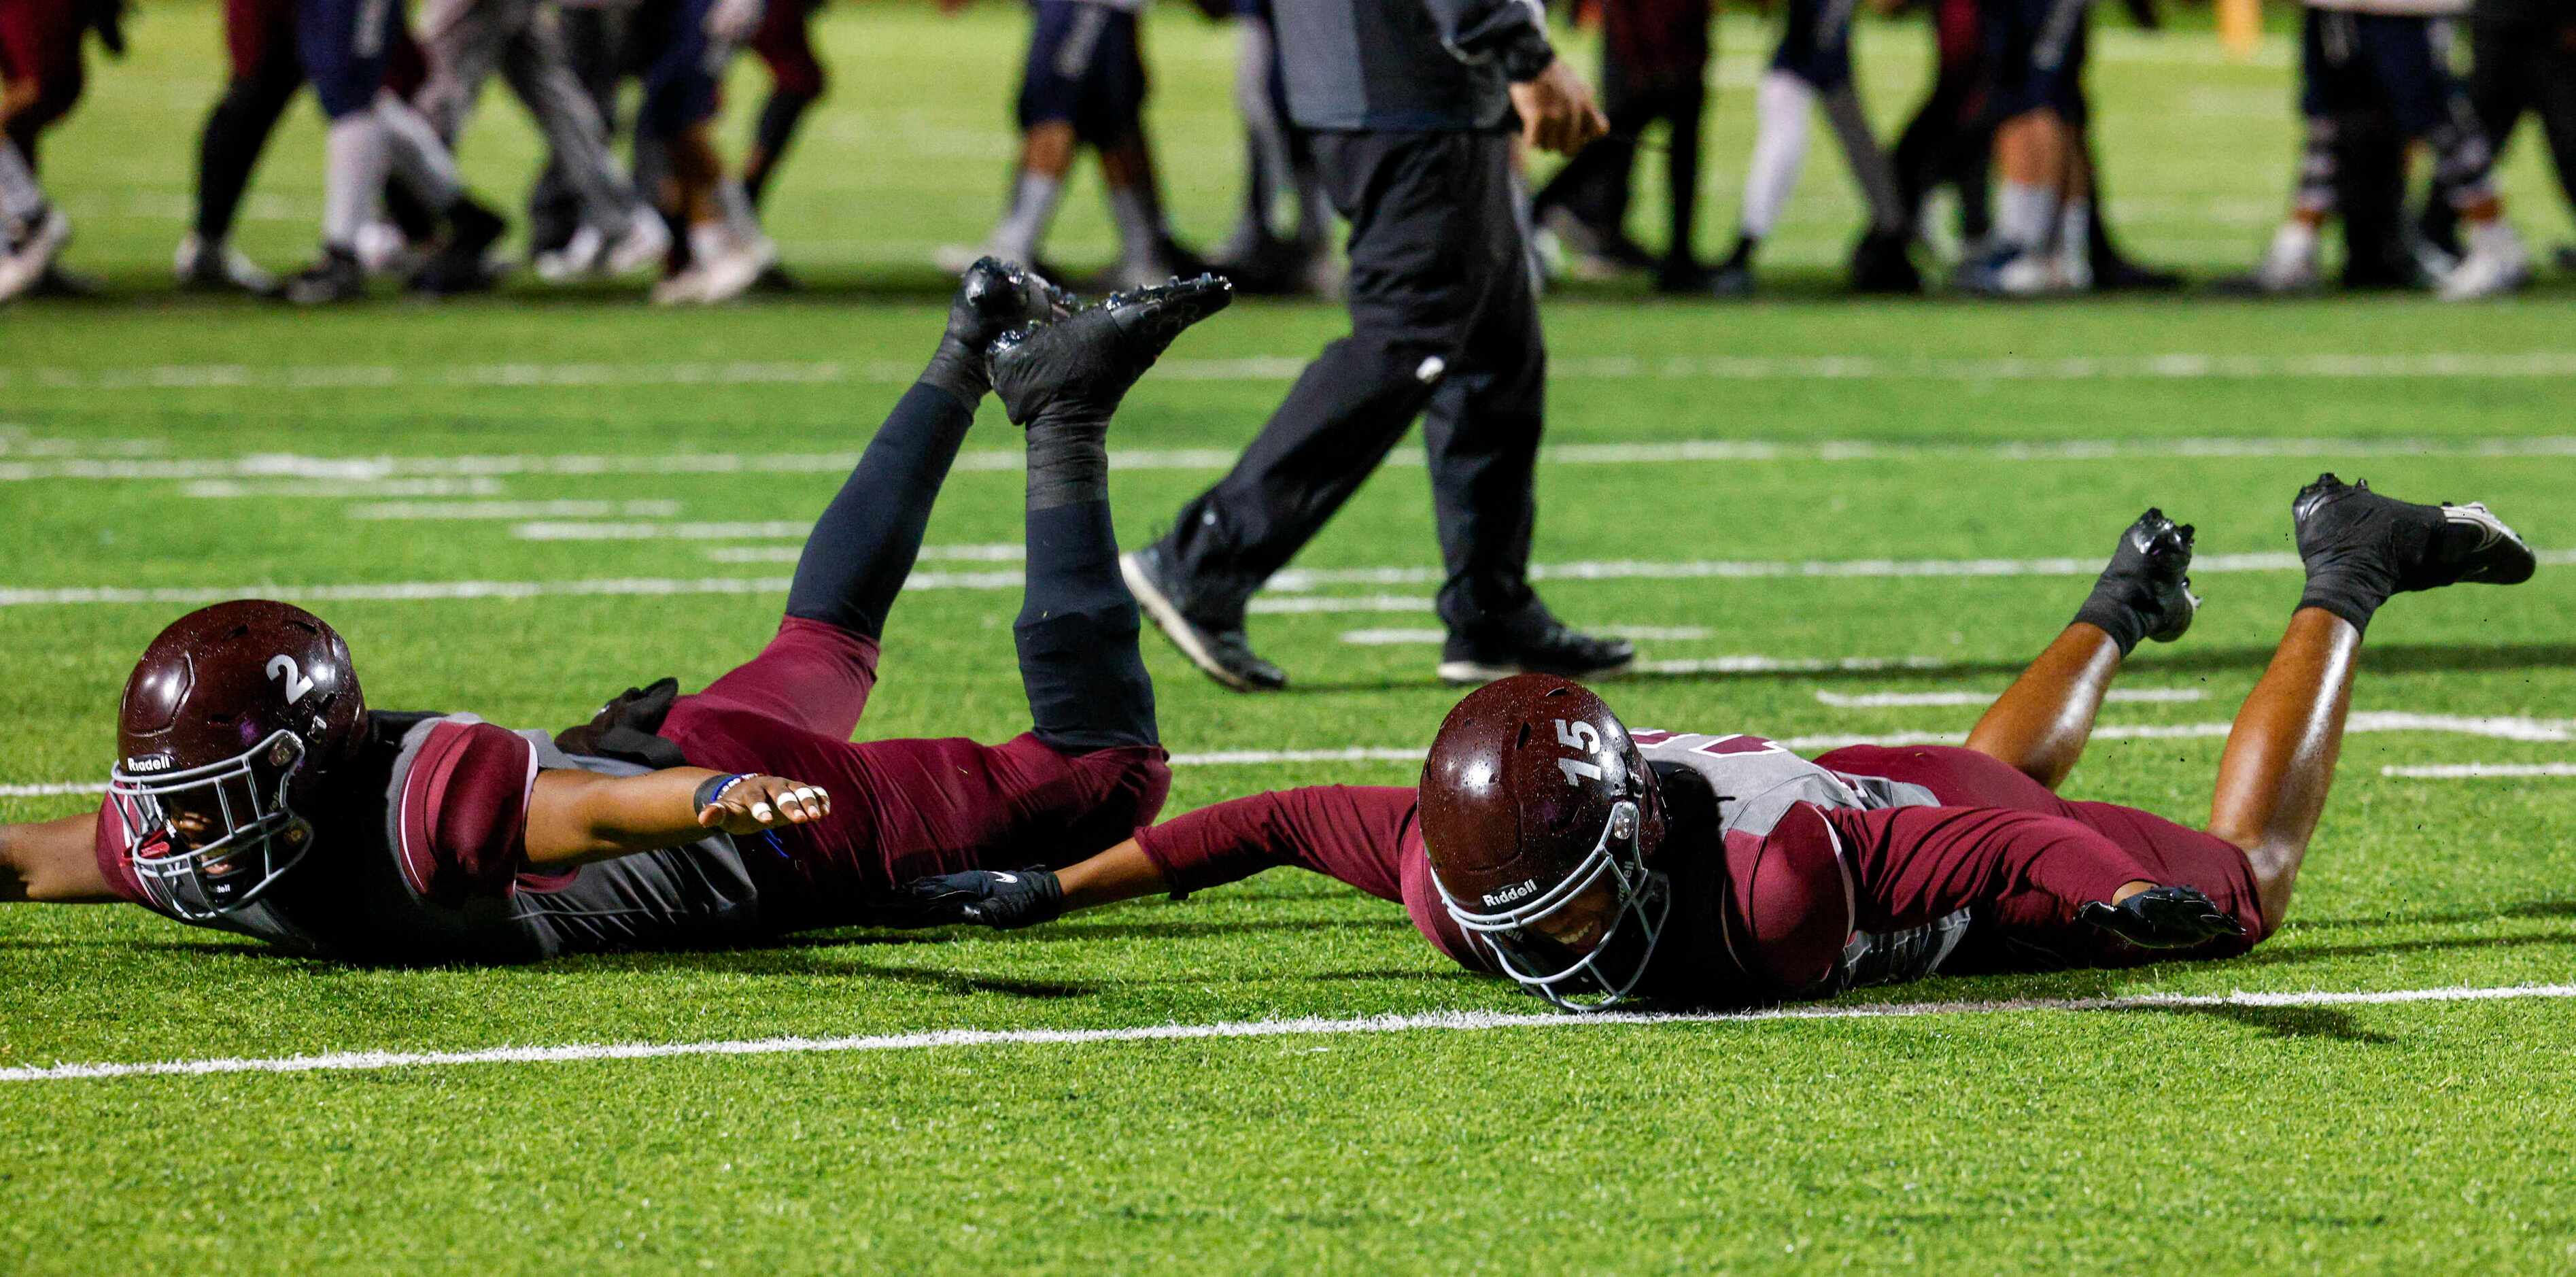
2363	722
2477	771
337	489
372	469
1884	700
2180	365
1312	1026
1294	580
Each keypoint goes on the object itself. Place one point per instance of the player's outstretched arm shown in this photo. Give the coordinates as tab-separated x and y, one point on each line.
575	817
54	862
1352	834
1009	899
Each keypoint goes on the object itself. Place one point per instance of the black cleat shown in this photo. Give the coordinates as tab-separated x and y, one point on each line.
2349	529
994	297
1219	649
1883	263
333	277
460	265
2149	575
1085	363
1543	645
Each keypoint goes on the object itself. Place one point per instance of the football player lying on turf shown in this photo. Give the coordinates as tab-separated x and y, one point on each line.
1595	865
256	791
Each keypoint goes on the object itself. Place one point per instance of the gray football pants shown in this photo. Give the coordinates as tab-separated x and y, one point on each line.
468	40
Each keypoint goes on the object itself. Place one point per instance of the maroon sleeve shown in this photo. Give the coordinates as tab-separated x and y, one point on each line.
1366	836
462	816
1913	865
114	864
1347	833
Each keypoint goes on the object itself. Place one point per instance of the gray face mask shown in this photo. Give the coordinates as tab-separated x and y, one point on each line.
1605	975
256	836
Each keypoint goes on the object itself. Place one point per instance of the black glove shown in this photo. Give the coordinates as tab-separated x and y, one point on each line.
2163	918
987	897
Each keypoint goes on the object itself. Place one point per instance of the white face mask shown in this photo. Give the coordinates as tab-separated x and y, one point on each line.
259	837
1605	975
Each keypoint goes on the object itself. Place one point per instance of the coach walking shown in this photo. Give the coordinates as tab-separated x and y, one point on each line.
1411	105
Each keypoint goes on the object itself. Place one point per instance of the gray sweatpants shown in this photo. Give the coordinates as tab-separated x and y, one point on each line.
468	40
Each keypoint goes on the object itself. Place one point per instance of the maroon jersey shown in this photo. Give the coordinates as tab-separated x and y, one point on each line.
1791	878
423	859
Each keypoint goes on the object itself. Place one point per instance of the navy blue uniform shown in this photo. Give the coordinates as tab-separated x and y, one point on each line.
1084	68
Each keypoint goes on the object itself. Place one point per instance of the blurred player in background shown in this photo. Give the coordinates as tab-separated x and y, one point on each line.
1263	254
1594	866
785	45
469	40
376	136
1812	69
2360	54
684	47
1083	84
2524	64
1654	68
2044	207
41	77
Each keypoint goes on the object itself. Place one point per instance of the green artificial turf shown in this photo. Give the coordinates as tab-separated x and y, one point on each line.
149	442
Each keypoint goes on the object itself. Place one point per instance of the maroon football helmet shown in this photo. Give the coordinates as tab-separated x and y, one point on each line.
1540	817
227	724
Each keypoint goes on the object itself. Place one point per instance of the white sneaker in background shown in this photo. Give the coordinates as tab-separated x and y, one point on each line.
2495	263
2290	264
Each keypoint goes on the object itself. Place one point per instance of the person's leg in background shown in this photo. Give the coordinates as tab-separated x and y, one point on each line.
259	40
1112	120
681	95
41	78
785	44
1782	103
2038	47
594	40
1410	292
1260	255
1481	430
1585	203
1063	38
621	232
2400	57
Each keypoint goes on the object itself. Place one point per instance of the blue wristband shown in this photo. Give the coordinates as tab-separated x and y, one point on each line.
713	788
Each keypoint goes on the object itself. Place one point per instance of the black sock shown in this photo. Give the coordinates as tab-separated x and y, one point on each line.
863	547
1076	632
779	117
1742	257
1068	460
2107	610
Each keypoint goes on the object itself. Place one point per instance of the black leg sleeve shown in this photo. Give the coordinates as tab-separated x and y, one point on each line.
863	547
236	132
1076	635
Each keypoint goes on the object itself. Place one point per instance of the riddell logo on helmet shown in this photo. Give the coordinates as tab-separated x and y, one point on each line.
148	763
1528	887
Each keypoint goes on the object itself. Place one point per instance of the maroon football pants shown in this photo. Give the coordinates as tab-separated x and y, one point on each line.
901	809
1986	803
40	67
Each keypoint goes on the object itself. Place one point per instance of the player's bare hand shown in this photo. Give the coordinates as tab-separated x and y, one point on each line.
755	804
1557	110
2163	918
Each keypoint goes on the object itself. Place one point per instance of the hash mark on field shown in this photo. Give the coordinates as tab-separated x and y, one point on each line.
700	464
2477	771
1883	700
1311	1026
